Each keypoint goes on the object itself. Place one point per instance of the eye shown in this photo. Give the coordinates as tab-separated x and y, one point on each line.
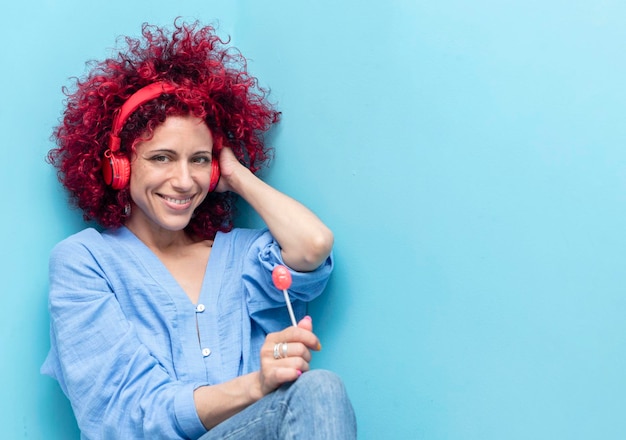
160	158
201	160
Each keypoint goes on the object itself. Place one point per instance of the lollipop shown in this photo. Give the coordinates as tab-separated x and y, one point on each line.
282	280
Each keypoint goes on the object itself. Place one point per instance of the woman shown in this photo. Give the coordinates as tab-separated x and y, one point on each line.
164	321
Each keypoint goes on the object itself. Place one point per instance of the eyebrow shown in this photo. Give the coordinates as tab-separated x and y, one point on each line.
174	152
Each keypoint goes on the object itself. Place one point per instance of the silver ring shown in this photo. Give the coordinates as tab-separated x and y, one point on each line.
280	350
284	349
276	351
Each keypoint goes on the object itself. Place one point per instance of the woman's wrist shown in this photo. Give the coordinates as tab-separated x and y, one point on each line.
256	388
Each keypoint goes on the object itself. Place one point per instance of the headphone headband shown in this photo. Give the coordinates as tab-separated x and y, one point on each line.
138	98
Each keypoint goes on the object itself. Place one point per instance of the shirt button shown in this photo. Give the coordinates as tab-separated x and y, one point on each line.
206	352
200	308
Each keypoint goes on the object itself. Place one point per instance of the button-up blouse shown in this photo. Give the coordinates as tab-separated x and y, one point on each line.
128	347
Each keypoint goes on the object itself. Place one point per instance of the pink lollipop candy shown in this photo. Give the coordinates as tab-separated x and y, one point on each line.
282	280
281	277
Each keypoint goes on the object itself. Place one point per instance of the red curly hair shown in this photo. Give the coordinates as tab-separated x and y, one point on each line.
211	82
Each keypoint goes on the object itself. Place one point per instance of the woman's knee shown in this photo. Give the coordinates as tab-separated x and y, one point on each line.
322	397
321	387
322	382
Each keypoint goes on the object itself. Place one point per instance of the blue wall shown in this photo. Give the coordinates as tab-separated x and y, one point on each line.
469	157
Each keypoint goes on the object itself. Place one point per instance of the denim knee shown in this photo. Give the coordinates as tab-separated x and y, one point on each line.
321	384
320	398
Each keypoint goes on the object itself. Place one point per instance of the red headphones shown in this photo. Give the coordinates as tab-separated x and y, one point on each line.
116	169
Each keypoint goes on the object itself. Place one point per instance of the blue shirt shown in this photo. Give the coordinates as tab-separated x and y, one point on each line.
128	347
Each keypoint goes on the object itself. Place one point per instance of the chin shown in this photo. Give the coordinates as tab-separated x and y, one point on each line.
175	225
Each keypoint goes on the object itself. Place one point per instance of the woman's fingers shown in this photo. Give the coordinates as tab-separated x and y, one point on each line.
229	166
283	350
297	334
275	372
306	323
285	355
283	375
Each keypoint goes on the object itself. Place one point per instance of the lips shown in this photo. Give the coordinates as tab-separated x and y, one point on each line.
177	203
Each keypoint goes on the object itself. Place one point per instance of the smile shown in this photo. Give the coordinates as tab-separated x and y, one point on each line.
177	201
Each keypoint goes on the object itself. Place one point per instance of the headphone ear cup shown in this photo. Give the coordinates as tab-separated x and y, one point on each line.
215	175
116	171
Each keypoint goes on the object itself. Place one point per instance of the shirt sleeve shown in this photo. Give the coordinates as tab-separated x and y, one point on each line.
116	387
266	303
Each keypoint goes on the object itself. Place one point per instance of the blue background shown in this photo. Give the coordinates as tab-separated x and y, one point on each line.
469	157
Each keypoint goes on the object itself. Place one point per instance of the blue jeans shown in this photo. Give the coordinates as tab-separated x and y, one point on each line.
315	406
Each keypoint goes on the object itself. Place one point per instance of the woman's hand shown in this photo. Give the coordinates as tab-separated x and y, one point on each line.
300	342
216	403
230	167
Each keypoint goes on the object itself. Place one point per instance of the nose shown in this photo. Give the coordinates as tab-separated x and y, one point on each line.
182	178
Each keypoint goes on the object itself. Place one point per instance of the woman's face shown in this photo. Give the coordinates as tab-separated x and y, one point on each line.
170	175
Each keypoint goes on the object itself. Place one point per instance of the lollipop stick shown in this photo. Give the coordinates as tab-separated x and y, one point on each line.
289	308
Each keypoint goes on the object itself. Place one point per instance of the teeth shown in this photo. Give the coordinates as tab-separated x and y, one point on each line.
177	201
